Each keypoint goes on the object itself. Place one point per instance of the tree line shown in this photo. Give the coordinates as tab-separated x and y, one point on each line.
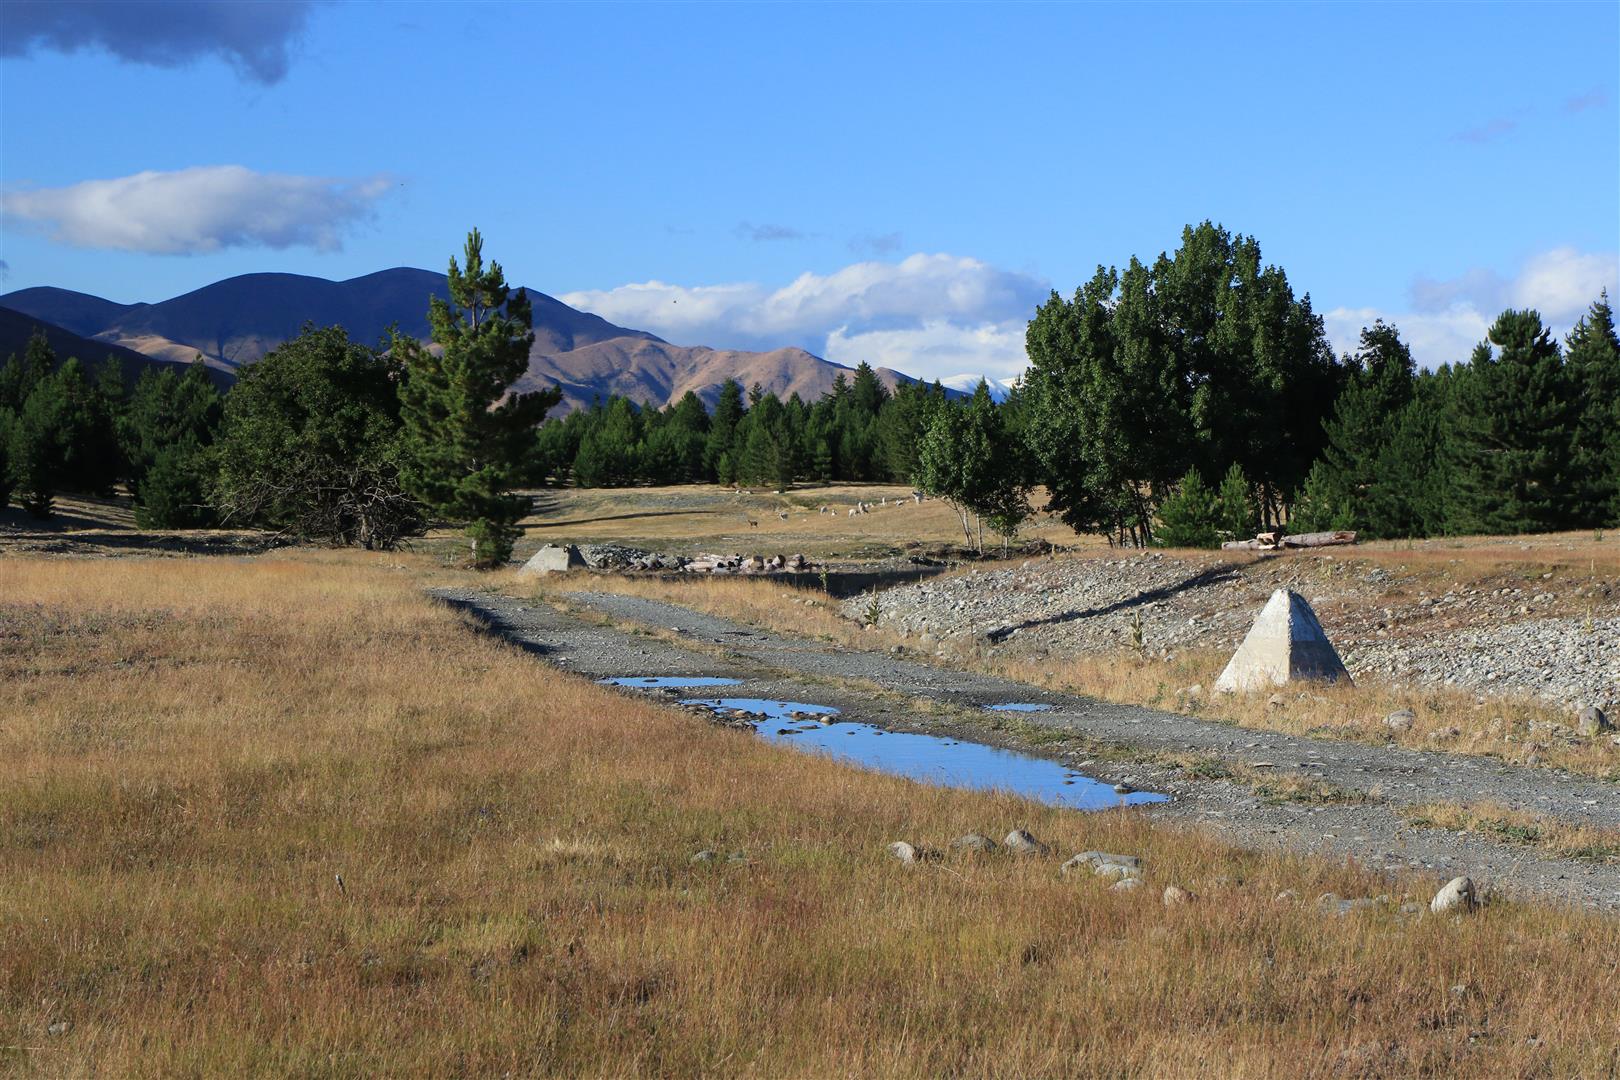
1153	384
858	431
1182	402
323	439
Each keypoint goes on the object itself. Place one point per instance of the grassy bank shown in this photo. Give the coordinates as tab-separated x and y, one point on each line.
195	752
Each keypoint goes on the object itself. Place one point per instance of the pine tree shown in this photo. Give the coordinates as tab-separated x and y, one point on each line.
177	417
1236	512
728	413
1412	475
1592	354
88	436
1513	423
1189	517
967	460
468	439
1358	433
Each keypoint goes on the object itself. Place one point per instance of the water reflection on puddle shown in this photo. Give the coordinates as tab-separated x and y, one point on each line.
679	682
1019	706
928	758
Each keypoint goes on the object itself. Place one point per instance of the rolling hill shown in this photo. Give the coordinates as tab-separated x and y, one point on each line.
236	321
16	328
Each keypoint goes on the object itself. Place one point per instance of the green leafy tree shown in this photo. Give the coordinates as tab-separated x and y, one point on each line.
1190	516
967	460
1204	356
468	438
311	444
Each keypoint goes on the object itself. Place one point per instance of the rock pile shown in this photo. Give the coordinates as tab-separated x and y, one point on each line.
617	558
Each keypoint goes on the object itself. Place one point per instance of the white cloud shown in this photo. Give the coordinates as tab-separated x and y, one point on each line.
1447	318
200	210
926	315
937	349
1562	283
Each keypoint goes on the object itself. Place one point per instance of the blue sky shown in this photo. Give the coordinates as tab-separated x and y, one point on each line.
894	182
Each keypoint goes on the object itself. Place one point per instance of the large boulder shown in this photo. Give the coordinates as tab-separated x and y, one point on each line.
553	559
1286	644
1590	721
1458	895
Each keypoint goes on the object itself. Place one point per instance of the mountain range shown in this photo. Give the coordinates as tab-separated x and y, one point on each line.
234	322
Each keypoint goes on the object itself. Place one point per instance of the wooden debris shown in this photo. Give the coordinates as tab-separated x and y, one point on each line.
1270	541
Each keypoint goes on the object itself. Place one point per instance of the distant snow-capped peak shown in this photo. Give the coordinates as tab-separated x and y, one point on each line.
968	383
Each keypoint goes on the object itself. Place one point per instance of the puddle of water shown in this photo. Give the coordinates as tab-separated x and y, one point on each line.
928	758
1019	706
680	682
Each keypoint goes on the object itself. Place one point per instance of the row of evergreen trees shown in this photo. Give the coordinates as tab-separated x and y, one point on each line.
324	438
63	430
858	431
1153	383
1143	389
1525	437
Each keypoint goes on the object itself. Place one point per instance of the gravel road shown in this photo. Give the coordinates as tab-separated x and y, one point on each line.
885	690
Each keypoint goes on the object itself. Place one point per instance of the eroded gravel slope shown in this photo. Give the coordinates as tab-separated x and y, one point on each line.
1556	638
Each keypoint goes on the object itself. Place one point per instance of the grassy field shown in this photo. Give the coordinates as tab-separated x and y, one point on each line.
288	815
706	517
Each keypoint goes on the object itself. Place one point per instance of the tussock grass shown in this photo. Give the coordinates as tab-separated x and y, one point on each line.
1517	730
193	751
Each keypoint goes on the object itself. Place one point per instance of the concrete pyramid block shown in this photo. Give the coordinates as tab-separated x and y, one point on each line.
1286	644
553	559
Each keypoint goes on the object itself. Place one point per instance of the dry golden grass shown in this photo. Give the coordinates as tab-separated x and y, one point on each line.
708	517
1511	729
192	751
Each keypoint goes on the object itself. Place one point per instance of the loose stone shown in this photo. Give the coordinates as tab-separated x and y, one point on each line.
1020	842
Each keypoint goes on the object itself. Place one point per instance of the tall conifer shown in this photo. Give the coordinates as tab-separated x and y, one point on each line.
468	440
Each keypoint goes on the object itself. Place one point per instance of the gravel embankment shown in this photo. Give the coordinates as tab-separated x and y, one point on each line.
1497	635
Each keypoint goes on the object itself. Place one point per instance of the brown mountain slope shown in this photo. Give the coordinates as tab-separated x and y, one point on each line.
236	321
16	328
662	373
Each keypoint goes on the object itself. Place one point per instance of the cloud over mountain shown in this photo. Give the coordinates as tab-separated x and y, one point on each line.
199	210
937	313
254	36
1447	318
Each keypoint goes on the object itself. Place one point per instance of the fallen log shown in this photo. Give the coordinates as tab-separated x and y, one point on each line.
1273	542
